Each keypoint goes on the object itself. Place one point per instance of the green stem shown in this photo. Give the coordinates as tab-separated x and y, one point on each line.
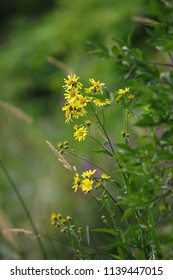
24	207
160	64
113	199
100	168
100	145
126	127
113	154
107	137
154	234
94	245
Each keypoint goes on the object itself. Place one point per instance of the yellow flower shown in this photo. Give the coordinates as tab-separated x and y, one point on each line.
104	176
80	133
65	144
83	100
101	102
87	185
59	216
60	145
53	218
88	174
74	110
76	182
71	95
117	99
98	185
130	96
72	82
68	112
123	91
68	218
63	221
95	88
88	122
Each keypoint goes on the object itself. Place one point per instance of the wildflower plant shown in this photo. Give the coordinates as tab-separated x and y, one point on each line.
135	192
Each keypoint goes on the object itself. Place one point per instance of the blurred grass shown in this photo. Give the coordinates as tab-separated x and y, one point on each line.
29	81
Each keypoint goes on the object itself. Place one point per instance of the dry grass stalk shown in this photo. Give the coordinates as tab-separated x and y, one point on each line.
15	111
4	224
59	64
60	157
17	231
143	20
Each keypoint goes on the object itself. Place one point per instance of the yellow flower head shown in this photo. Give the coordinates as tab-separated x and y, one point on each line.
88	174
60	145
95	88
98	185
130	96
53	218
88	122
68	111
117	99
63	221
76	182
104	176
123	91
83	100
59	216
101	102
72	82
71	95
80	133
74	109
87	185
65	144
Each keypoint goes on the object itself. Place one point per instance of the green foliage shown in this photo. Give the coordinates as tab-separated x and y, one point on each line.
136	203
130	215
41	41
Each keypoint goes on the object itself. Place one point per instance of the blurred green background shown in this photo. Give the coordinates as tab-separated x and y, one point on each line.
40	42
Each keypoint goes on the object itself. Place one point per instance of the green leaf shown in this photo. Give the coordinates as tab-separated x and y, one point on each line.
118	40
115	51
116	257
128	212
129	37
100	50
113	245
102	152
104	230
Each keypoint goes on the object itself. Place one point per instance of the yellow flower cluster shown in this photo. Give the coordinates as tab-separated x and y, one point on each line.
58	221
87	181
62	146
122	92
76	100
